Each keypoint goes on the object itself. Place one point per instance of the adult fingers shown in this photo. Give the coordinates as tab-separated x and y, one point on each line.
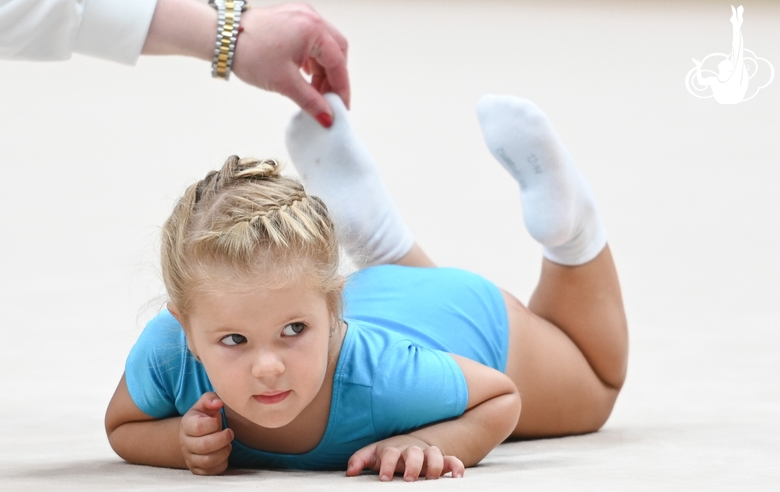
434	463
388	462
454	465
344	46
327	64
327	53
309	99
337	36
413	458
319	79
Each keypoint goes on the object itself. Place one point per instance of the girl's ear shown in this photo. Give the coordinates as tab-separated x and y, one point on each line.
342	280
175	312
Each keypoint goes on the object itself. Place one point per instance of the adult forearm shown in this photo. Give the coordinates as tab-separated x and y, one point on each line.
151	442
182	27
474	434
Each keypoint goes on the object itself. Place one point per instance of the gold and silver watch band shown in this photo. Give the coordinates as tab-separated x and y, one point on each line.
228	19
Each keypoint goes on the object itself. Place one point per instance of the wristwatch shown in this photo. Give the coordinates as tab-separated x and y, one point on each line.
228	18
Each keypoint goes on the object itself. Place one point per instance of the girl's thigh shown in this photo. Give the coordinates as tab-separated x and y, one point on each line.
560	393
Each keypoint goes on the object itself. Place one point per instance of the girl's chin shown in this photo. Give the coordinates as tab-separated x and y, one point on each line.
271	420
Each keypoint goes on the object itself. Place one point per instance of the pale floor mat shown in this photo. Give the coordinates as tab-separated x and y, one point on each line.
93	155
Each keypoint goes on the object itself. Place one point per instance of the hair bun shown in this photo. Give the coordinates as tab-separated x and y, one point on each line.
253	168
260	168
236	168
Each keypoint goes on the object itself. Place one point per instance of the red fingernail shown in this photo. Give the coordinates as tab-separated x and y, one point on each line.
325	120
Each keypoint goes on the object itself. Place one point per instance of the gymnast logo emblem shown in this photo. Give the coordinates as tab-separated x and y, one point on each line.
730	84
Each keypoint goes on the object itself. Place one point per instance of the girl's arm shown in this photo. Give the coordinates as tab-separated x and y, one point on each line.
491	415
195	440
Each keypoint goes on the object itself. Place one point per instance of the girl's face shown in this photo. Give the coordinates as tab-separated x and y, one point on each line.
265	349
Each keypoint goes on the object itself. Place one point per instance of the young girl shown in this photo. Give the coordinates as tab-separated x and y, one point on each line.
256	364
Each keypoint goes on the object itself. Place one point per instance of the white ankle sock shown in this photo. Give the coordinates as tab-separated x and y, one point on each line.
335	166
558	206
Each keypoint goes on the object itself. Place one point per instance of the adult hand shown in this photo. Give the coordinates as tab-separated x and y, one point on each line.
407	455
204	444
277	42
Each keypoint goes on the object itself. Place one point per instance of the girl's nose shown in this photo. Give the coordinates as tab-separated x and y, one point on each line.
267	363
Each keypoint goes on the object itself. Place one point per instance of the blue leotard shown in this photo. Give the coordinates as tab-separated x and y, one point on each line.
393	374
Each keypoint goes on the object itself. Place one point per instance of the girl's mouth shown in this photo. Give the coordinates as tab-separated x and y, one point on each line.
271	397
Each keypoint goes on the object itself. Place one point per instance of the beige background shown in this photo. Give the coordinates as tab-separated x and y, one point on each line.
93	155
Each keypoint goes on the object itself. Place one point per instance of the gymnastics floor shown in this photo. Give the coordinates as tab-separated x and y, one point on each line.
93	155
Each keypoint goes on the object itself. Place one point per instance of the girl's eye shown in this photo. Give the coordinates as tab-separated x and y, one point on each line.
233	339
293	329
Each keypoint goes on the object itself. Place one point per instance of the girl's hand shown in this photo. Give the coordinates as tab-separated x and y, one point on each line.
407	455
204	444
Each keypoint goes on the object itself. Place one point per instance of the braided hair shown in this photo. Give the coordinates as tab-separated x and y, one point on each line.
259	224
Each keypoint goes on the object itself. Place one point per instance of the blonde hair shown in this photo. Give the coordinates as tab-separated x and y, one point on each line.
259	224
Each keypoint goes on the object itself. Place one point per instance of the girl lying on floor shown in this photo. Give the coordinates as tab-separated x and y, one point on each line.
268	358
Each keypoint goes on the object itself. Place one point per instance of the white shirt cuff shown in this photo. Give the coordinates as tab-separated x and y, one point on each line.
115	29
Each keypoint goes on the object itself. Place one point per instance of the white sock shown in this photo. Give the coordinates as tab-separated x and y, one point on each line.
335	166
558	206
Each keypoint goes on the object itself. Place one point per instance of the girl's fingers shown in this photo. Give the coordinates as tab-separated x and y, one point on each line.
208	404
199	425
203	417
209	461
434	463
388	462
209	443
210	464
413	460
454	465
217	470
362	459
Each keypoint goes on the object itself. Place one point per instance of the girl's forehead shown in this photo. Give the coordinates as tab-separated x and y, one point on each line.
255	286
267	275
228	302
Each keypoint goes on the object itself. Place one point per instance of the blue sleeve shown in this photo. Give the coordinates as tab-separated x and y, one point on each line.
415	386
155	365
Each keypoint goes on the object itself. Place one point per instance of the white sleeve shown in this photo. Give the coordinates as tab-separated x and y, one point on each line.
55	29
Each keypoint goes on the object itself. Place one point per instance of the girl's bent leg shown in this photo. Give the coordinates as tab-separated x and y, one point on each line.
568	350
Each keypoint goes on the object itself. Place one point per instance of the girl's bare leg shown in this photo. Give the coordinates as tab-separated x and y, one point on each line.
568	349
